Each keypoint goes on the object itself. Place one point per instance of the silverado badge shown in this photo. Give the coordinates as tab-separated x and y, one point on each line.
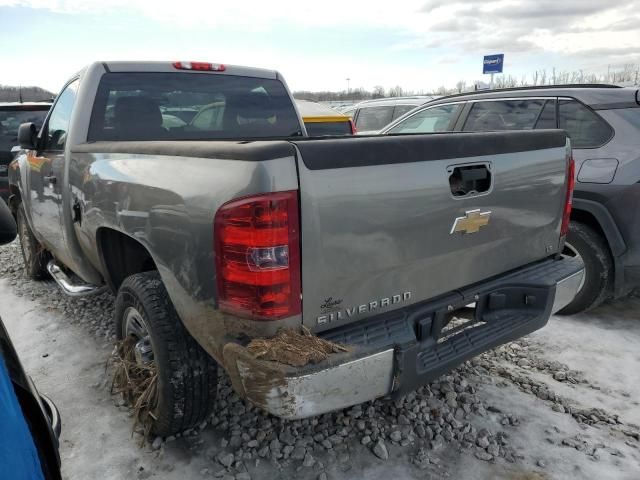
472	221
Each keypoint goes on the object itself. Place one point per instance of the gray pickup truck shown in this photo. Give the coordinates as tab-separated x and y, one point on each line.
318	272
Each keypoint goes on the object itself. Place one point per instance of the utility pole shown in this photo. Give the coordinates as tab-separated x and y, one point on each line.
348	88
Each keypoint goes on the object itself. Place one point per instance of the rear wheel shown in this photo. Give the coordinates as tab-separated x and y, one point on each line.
33	253
187	375
587	244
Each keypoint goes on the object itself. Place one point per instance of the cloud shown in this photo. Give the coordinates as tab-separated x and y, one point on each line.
432	5
609	52
455	25
461	30
562	27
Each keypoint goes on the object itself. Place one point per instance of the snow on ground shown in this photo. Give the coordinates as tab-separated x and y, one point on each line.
553	406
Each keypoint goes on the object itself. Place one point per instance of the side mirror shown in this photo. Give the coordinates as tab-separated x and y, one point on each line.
8	229
28	136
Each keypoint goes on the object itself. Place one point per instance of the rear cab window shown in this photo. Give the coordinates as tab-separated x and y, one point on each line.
190	106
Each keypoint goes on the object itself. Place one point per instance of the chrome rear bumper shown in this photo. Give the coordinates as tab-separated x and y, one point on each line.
566	290
326	390
343	381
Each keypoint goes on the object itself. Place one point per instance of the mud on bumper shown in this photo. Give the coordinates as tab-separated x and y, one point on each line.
398	351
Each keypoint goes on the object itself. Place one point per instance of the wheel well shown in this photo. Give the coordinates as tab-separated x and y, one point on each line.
587	218
122	256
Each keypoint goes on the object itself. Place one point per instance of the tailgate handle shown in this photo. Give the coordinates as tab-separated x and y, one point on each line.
468	180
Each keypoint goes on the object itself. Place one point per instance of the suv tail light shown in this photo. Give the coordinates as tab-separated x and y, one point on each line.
354	130
257	248
571	181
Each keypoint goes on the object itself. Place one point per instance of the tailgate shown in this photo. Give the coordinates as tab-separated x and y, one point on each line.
393	220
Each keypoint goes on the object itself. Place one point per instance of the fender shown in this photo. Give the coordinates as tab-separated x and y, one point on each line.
613	236
608	225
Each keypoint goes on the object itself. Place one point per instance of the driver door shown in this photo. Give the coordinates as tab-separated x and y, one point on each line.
46	173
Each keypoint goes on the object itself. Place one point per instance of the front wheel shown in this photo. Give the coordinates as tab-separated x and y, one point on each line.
187	375
587	244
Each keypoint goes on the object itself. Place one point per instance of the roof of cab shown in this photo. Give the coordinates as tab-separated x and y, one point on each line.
314	112
167	66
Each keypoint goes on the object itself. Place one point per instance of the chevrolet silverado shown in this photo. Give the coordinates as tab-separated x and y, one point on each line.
381	262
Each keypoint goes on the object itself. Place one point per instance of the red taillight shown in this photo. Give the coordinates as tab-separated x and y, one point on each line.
199	66
354	130
257	248
571	181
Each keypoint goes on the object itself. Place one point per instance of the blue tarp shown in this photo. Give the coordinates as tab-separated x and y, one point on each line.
18	455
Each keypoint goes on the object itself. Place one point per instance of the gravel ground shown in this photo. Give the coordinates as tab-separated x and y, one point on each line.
561	403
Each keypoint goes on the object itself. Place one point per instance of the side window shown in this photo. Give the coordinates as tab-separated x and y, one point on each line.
58	124
547	118
374	118
429	120
585	128
401	110
512	114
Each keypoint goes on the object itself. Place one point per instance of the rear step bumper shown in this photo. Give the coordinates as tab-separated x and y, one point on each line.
398	351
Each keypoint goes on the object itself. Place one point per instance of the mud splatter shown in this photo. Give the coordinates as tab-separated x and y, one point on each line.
294	348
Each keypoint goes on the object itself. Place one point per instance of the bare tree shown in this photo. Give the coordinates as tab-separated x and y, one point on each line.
25	94
395	91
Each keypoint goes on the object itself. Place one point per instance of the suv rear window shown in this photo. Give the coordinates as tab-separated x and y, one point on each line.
585	128
374	118
190	106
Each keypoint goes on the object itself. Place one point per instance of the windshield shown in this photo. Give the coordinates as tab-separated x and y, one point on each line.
191	106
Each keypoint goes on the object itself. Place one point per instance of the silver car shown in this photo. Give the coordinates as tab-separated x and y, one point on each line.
371	116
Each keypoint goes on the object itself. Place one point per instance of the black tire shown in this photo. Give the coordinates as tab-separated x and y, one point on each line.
187	375
33	253
593	249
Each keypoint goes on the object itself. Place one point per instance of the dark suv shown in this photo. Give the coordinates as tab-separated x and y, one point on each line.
11	116
603	122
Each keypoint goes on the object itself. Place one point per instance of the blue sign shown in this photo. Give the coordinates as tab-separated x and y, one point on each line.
493	63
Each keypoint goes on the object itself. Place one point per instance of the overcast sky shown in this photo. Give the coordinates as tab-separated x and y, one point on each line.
318	44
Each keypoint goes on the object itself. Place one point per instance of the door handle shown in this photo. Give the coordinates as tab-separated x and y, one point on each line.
50	178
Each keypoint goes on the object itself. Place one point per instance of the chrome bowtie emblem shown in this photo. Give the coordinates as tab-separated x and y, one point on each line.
472	221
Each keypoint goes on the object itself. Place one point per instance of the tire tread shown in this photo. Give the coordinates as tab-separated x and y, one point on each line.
188	375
